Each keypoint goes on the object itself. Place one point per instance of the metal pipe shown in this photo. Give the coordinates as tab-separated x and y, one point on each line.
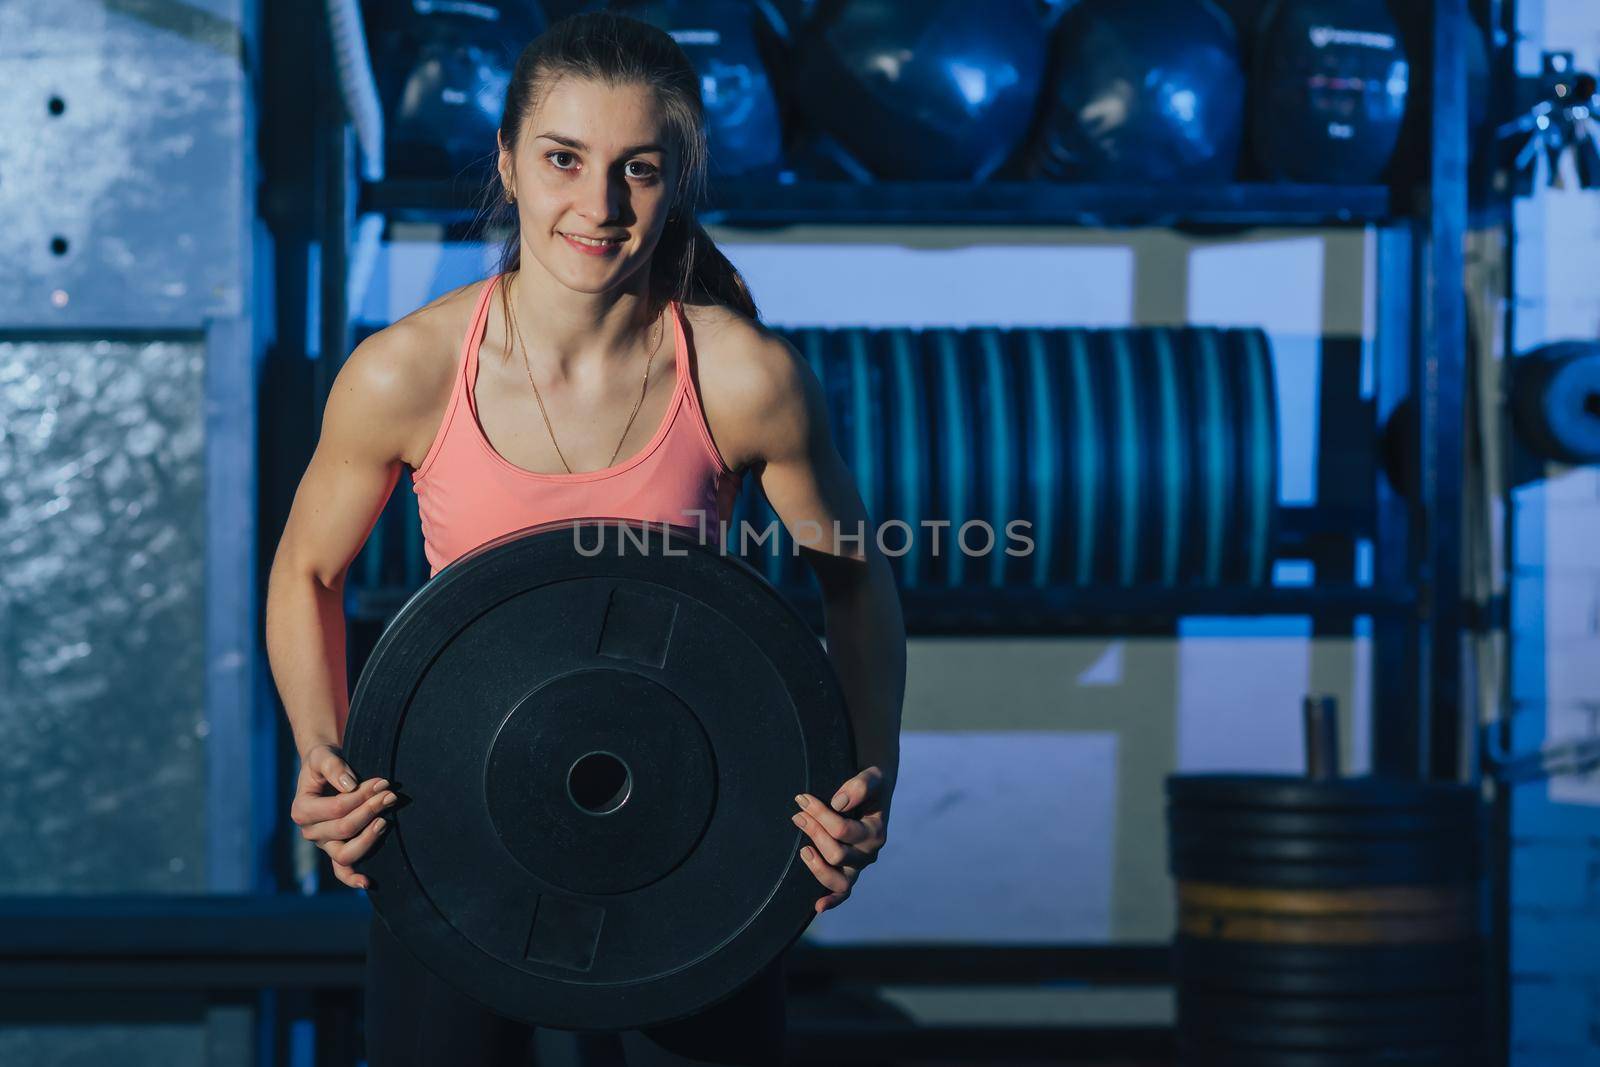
1322	737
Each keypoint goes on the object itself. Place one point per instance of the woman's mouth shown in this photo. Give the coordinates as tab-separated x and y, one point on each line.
591	246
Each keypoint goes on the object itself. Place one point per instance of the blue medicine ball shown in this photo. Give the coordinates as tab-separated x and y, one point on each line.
936	89
1147	92
442	72
742	125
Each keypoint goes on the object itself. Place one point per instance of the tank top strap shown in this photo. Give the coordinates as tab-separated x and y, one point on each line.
680	346
474	338
691	393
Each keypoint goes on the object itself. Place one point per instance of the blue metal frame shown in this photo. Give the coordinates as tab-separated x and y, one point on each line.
758	204
1503	70
1395	741
1440	376
236	823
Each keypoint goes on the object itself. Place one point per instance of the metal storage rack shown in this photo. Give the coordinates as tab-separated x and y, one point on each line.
1415	600
1415	597
1416	593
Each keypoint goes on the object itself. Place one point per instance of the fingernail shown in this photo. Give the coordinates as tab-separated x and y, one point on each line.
380	784
388	798
806	854
800	799
840	801
381	824
798	819
346	782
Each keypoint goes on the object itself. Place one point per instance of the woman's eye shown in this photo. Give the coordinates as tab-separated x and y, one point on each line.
557	157
646	170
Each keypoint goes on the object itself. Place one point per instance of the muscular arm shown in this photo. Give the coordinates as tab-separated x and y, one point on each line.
370	413
775	419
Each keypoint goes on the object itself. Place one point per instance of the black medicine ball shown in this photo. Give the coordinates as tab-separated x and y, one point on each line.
1331	83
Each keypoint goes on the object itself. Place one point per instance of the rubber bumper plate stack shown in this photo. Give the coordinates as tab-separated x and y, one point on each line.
597	731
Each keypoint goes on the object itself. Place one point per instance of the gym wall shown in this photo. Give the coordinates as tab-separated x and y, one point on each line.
127	488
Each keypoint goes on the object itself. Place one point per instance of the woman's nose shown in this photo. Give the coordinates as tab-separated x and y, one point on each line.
600	197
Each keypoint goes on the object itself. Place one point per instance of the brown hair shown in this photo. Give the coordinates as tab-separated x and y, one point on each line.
617	50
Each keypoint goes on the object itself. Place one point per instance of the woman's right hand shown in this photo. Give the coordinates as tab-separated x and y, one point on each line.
345	824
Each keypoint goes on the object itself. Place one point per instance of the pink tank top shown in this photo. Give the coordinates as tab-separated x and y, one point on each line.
469	494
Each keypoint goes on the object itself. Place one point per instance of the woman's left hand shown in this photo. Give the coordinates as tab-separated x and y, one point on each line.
847	836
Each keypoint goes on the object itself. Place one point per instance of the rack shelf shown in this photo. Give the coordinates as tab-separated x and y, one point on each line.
1044	204
766	204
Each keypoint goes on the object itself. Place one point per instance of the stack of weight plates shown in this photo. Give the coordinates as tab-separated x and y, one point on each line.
1139	457
1326	924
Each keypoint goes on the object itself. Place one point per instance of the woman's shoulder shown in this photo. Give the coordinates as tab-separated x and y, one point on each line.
750	377
409	364
445	318
731	346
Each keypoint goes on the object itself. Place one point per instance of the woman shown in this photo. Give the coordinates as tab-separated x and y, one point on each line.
538	395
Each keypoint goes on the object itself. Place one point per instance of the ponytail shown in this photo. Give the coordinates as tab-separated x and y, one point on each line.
689	266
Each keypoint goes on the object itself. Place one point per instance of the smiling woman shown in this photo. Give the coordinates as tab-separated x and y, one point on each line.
616	319
617	156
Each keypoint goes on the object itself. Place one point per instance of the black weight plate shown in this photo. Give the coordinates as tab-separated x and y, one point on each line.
1332	970
1196	1051
1331	1037
1272	1024
1196	866
597	758
1375	983
1330	862
1277	792
1447	853
1440	1014
1451	858
1241	822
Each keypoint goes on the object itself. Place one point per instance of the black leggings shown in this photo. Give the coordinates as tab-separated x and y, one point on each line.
414	1019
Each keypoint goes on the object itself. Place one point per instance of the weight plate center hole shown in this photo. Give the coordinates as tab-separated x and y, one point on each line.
599	783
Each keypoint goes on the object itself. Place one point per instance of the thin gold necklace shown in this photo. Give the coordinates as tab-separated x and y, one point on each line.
643	386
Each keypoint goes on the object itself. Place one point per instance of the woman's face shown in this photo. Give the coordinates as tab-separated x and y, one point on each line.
592	162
